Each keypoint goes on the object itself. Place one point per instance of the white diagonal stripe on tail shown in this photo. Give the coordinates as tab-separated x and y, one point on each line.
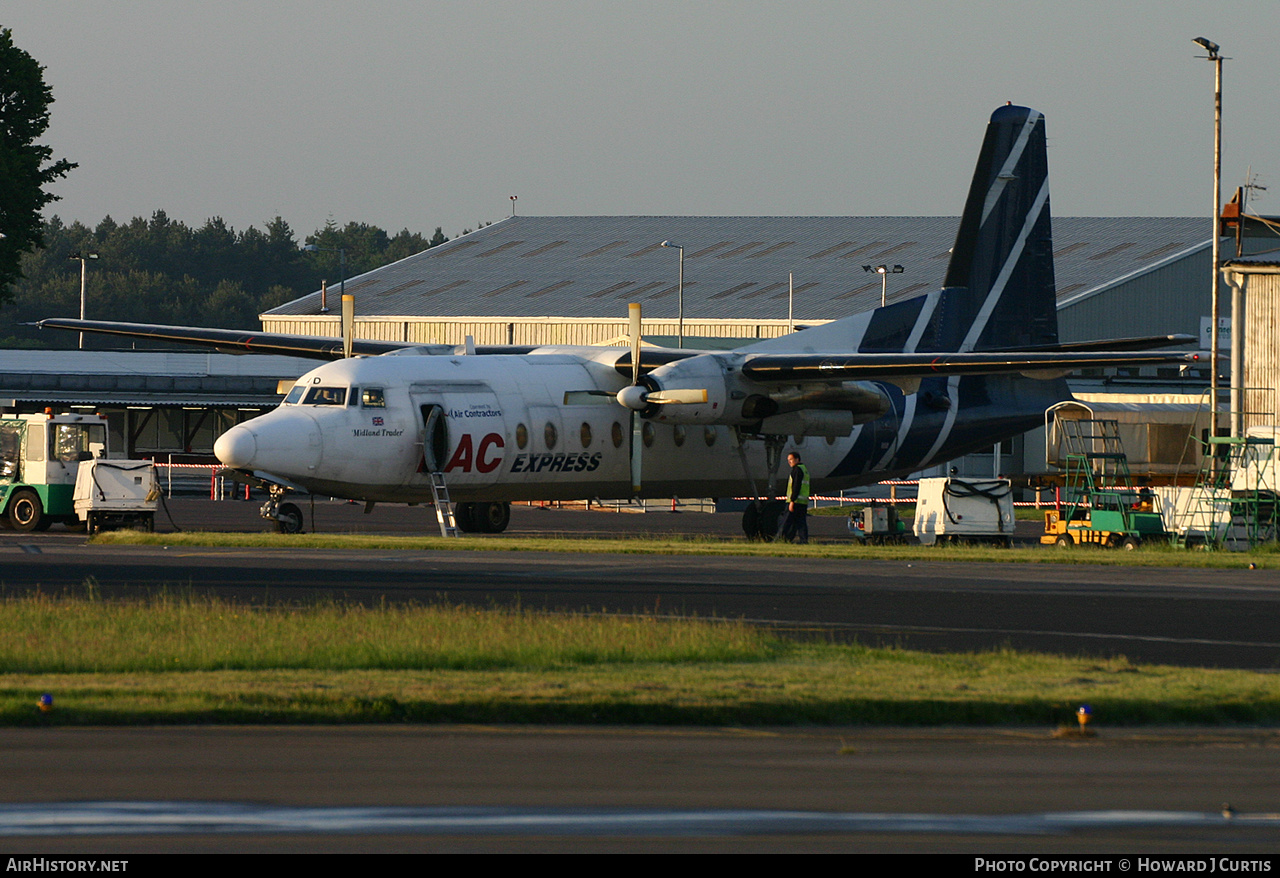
1011	162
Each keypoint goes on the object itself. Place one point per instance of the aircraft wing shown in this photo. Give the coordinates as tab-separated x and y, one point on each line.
852	367
237	341
244	341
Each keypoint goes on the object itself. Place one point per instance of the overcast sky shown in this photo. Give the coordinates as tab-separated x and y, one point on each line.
433	113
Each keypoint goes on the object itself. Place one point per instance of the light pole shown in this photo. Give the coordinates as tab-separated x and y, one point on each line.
884	271
679	295
83	257
1214	340
342	270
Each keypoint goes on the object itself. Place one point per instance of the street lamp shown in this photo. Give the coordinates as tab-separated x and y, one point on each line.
342	271
884	271
83	257
679	295
1212	49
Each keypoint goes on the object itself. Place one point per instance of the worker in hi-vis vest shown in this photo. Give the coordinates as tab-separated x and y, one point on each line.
796	524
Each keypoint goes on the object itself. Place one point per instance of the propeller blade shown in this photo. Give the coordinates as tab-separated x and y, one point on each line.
589	397
634	313
637	451
688	396
348	324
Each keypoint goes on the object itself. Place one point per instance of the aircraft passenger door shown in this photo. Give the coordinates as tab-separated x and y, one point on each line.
463	434
435	438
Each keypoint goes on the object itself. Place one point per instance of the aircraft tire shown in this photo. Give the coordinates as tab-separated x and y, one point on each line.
770	518
751	522
464	517
492	518
290	519
25	512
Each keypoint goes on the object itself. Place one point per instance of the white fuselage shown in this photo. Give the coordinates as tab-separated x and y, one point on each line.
497	426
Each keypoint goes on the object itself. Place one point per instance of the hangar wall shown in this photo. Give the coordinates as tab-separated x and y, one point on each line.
1169	298
525	331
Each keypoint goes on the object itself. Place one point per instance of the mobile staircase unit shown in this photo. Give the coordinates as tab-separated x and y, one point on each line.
1099	504
1233	502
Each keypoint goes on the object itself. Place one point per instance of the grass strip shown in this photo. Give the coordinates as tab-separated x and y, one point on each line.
1150	555
182	660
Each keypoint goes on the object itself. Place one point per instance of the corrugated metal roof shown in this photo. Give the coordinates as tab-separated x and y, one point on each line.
735	267
151	363
145	378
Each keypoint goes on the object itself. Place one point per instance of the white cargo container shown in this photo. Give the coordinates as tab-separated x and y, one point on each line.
950	509
116	493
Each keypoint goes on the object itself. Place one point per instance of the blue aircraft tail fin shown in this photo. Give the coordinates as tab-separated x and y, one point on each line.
999	289
1003	255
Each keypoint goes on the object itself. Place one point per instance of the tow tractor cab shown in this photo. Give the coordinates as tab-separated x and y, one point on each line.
44	456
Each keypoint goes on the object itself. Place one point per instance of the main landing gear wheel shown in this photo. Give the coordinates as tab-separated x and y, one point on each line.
492	518
482	518
464	516
760	522
289	518
25	511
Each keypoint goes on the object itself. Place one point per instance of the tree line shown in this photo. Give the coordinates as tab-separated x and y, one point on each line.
160	270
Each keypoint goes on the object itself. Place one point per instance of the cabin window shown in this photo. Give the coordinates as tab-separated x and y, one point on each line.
647	433
617	434
678	434
522	435
549	435
709	436
326	396
372	398
295	394
584	434
35	442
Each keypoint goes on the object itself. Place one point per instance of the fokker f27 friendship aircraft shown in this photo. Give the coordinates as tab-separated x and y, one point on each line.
872	396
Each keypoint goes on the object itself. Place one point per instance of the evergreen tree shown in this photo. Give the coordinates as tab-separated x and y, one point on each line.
25	170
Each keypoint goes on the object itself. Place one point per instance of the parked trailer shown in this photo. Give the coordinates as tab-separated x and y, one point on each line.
952	509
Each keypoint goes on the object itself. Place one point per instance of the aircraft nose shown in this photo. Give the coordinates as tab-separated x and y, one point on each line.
236	448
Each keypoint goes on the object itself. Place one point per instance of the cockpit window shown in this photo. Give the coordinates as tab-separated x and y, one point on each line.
372	398
326	396
295	394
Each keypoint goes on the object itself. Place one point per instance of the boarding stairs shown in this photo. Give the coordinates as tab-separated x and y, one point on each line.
1100	505
1233	503
1096	468
443	505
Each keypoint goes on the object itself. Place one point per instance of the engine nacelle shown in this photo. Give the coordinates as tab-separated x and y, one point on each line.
738	401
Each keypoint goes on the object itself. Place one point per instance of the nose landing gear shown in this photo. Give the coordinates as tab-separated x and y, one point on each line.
287	516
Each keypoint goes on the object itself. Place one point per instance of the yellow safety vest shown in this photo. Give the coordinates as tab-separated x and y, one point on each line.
803	496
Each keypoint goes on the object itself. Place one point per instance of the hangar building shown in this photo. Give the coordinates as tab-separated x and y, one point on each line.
567	280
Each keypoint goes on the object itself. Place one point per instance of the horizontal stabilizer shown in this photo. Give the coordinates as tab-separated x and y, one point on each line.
1134	343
